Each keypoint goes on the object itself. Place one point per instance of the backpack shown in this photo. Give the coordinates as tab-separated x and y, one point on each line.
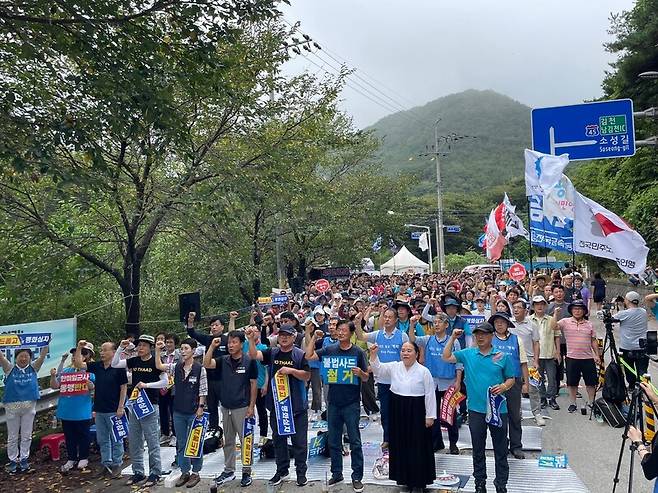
614	387
267	450
213	441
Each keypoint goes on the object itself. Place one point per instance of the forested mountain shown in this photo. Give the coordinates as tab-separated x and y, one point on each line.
500	125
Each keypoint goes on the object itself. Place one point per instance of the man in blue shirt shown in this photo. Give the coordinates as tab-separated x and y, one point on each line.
485	368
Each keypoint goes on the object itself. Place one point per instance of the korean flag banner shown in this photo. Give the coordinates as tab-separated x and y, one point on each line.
247	450
119	427
283	404
194	444
140	403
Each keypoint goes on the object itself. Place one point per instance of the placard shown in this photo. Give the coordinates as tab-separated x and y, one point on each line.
73	383
338	370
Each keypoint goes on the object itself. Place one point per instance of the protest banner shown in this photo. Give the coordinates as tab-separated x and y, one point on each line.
60	335
449	403
140	403
74	383
247	450
196	437
119	427
338	370
283	404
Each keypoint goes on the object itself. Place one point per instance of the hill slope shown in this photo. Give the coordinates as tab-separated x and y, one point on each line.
501	125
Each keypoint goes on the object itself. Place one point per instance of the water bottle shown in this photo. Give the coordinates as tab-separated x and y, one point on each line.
53	422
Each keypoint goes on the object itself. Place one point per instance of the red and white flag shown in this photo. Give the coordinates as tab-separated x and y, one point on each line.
494	239
602	233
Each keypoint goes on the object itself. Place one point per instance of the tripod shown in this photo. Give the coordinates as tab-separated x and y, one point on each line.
608	345
634	417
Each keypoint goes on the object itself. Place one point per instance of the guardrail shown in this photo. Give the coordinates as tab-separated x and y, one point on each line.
46	402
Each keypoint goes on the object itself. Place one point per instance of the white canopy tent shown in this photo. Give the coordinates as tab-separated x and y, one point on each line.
404	262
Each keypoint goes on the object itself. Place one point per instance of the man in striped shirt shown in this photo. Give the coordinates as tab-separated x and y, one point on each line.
582	350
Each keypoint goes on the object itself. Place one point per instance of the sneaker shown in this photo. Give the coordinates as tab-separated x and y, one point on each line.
578	394
278	478
24	466
225	477
518	454
481	487
554	405
136	479
315	416
572	408
454	450
357	486
262	441
152	481
83	464
164	438
183	479
246	480
116	472
501	489
335	480
544	403
374	417
539	419
174	464
70	464
194	480
12	467
301	480
172	441
106	472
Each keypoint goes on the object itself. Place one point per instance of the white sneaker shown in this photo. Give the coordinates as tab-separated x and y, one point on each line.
315	416
172	441
374	417
70	464
83	463
539	419
164	438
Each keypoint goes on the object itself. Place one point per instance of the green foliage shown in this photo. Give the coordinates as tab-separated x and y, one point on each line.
456	261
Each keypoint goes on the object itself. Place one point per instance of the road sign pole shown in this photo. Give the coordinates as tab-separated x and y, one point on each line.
439	203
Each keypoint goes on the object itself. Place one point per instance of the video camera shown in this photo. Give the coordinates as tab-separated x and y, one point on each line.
648	344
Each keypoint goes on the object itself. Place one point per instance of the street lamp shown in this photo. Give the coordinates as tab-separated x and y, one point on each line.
429	240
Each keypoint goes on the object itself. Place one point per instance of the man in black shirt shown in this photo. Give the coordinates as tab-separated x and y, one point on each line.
213	400
343	409
109	400
286	360
146	376
238	375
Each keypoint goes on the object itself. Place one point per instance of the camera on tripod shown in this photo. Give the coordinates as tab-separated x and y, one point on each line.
648	344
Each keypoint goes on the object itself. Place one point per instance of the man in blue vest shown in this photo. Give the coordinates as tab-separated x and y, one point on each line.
405	320
445	374
512	346
390	340
451	305
486	371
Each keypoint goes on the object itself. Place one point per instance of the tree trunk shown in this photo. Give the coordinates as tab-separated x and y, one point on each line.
301	268
132	302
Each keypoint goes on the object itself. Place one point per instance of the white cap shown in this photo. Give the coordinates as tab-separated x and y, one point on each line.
633	297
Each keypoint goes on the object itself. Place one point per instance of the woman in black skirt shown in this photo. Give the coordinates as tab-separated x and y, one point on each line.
412	414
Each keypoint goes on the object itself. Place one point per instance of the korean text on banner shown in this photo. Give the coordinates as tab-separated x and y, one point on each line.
317	445
283	404
449	403
119	427
62	337
140	403
74	383
196	437
473	320
247	450
549	231
338	370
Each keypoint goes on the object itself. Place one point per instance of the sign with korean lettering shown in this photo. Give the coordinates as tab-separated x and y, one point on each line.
338	370
317	445
59	335
73	383
119	427
247	450
473	320
283	404
196	436
140	403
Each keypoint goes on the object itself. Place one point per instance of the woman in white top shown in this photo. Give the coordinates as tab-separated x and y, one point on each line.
412	414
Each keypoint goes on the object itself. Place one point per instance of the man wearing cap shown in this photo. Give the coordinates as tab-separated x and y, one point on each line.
481	307
633	326
404	321
528	332
486	368
145	375
582	350
318	320
445	374
390	340
512	346
549	352
558	292
216	330
569	290
451	305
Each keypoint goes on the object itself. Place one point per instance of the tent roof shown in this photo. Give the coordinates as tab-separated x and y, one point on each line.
403	260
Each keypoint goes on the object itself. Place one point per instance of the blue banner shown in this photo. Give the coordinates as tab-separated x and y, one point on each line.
119	427
549	232
195	438
494	403
140	403
553	460
247	449
338	370
283	404
317	445
62	337
473	320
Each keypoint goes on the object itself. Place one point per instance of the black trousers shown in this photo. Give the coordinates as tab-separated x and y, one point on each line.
299	444
212	404
262	414
166	404
513	397
478	427
368	396
76	435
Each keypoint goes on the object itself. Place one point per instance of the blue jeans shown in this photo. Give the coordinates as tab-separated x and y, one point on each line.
384	394
183	423
148	429
111	451
347	416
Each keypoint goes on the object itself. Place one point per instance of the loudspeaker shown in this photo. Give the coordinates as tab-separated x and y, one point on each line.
189	302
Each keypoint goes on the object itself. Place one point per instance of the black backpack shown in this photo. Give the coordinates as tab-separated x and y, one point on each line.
614	387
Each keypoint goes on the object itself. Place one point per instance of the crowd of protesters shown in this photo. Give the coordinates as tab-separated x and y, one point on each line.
409	340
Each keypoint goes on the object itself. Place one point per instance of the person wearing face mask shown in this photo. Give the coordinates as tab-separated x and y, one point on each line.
20	399
145	375
413	413
189	401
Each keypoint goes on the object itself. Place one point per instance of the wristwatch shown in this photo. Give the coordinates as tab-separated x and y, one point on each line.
202	406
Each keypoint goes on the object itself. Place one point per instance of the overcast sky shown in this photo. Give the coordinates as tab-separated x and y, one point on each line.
541	53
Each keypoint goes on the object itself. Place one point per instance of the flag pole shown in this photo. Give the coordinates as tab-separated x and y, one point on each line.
530	235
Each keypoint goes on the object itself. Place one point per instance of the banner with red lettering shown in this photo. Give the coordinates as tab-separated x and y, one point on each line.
451	399
74	383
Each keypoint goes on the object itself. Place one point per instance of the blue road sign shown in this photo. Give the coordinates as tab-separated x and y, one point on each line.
453	229
585	131
415	235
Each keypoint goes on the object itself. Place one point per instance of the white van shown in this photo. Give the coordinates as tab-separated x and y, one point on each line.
474	269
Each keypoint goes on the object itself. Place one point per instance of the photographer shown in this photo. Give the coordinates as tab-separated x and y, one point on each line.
648	458
632	328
